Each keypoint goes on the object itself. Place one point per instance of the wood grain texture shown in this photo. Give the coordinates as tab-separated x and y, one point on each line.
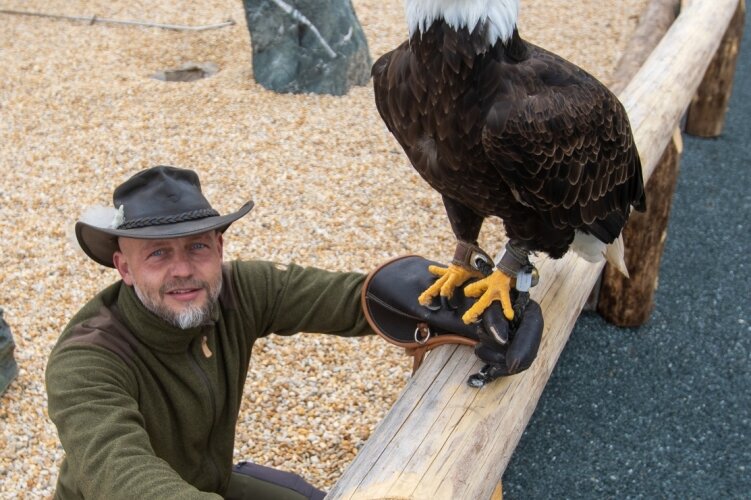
443	439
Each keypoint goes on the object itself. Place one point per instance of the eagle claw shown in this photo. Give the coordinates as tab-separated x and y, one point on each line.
447	304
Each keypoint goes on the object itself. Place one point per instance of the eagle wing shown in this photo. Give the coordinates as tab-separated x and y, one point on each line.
398	85
563	143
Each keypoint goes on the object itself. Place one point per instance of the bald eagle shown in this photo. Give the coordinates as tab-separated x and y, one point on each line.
501	127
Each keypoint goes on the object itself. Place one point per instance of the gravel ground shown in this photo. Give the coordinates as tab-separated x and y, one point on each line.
80	113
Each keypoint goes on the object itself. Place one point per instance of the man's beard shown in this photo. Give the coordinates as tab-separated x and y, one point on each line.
190	316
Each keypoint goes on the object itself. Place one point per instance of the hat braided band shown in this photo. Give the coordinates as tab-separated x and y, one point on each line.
169	219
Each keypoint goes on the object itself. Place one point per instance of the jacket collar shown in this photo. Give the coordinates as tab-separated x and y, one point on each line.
152	330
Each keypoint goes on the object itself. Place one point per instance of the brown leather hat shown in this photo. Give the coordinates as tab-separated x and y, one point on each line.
157	203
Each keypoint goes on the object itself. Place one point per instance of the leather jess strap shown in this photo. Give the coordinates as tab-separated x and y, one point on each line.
471	256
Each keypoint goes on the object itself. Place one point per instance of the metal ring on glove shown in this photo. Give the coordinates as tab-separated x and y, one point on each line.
422	333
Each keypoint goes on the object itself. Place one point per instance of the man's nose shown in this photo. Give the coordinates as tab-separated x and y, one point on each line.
181	265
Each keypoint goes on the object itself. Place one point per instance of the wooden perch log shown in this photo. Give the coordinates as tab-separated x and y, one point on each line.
706	116
445	440
629	301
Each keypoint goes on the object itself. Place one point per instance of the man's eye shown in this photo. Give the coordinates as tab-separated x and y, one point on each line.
199	246
156	253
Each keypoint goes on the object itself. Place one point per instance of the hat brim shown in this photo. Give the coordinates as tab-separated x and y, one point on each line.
101	243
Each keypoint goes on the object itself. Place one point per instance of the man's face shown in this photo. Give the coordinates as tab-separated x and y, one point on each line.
177	279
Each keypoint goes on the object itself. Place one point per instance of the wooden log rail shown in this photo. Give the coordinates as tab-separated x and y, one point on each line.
445	440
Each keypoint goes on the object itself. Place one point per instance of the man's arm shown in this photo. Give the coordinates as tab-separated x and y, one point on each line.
292	299
92	402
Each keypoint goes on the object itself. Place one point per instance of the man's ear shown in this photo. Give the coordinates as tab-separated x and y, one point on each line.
121	264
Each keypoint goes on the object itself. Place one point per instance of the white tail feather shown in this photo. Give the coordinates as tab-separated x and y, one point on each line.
615	254
594	250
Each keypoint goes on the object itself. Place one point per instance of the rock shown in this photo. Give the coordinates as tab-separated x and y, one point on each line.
307	46
8	366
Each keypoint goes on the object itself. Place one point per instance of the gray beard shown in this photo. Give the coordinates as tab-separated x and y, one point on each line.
189	317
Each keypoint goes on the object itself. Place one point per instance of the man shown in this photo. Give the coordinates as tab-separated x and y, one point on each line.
145	382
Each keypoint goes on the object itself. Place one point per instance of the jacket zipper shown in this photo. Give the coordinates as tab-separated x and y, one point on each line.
212	398
205	347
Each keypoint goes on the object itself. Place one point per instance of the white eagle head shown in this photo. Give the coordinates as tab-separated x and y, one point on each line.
501	15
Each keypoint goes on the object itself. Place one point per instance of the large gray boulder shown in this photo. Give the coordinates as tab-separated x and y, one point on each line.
8	366
304	46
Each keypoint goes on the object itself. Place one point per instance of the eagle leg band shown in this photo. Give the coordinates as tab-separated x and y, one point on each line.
471	256
513	261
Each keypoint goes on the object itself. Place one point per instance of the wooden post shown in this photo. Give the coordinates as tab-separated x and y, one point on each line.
706	115
628	301
445	440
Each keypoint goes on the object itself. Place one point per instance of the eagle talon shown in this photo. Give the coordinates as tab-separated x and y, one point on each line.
447	304
495	324
433	305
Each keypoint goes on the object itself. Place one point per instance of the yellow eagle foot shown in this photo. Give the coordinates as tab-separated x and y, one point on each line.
449	278
497	286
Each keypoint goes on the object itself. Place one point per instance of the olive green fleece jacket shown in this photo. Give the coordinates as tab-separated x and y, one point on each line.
147	410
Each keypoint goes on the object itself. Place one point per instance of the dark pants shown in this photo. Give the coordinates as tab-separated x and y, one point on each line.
253	481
